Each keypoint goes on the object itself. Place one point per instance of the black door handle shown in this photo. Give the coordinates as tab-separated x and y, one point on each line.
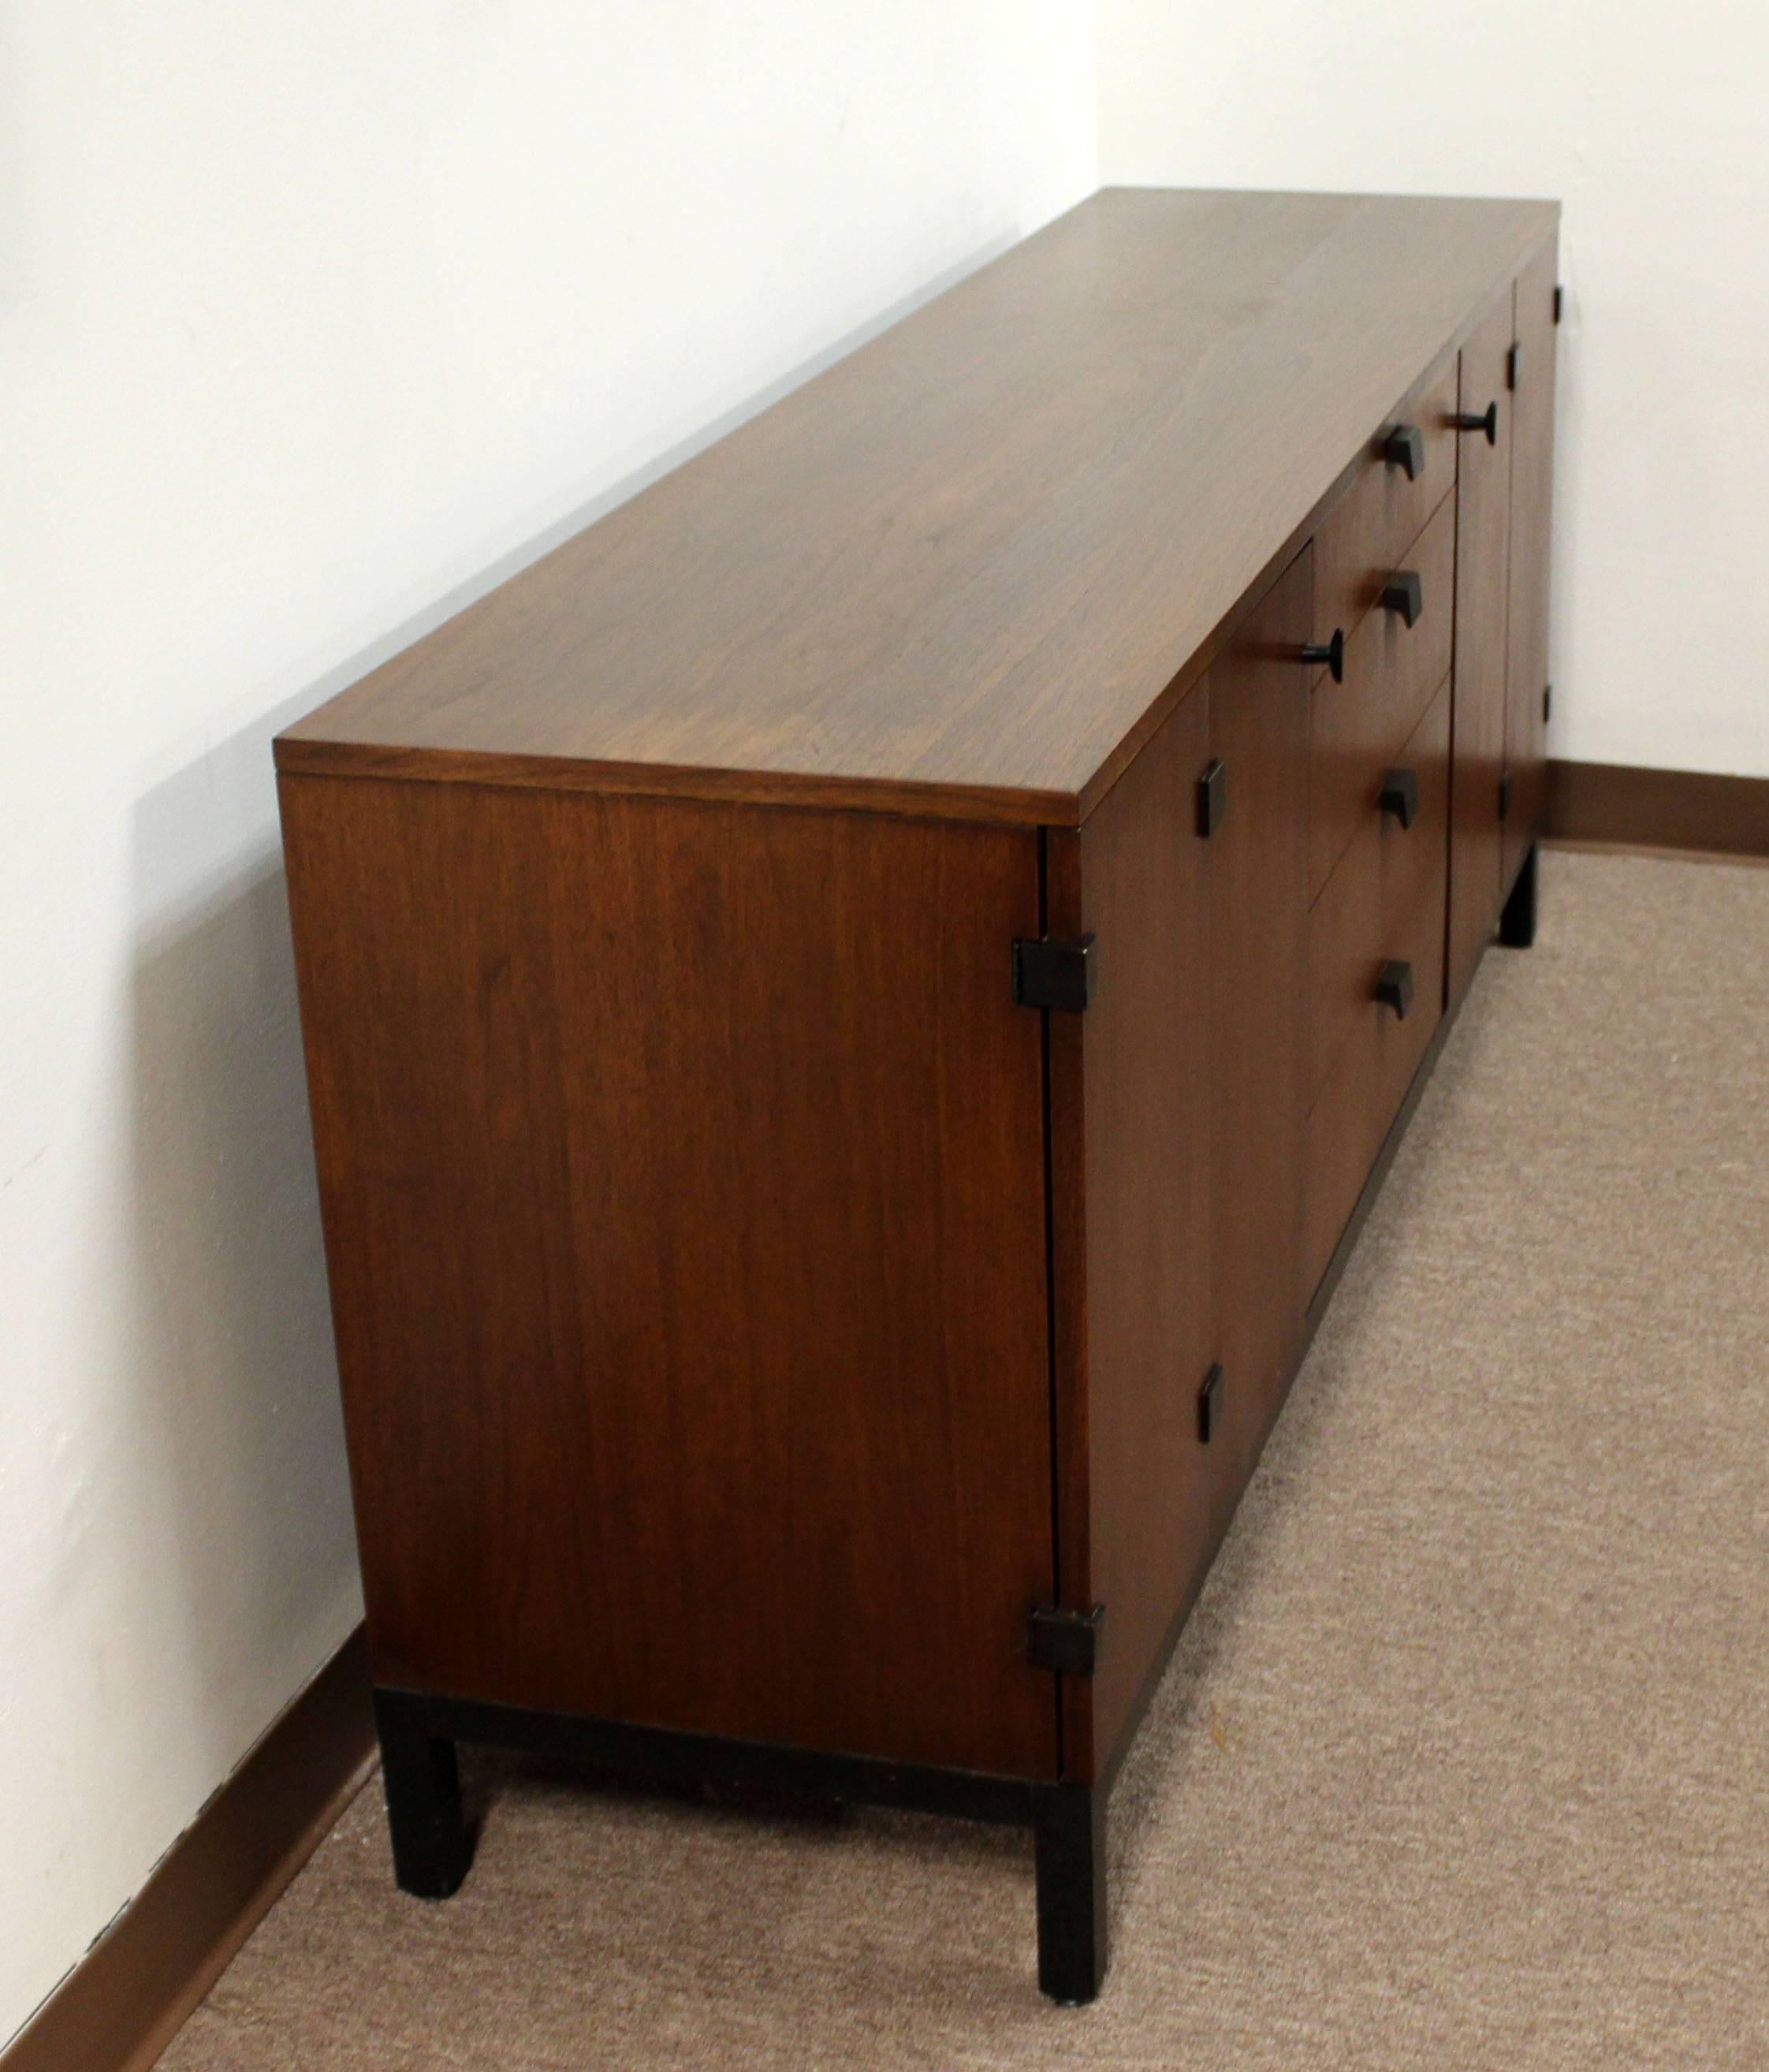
1213	797
1394	986
1330	653
1404	447
1400	796
1486	421
1210	1405
1404	594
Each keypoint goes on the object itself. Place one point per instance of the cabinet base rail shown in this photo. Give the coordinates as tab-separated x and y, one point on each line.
419	1731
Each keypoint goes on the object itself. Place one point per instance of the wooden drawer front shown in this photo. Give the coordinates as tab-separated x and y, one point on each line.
1337	1153
1386	901
1356	727
1365	1086
1343	956
1414	860
1367	905
1379	517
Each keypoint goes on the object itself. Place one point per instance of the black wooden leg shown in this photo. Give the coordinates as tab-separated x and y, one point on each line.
423	1788
1517	922
1071	1872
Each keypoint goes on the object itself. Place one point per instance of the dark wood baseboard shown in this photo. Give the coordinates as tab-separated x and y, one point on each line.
1609	802
123	2002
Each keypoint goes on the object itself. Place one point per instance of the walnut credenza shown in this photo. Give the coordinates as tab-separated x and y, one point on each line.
852	1010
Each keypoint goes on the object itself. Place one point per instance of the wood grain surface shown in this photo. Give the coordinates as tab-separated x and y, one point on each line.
1140	1133
1259	720
1065	1109
683	1177
1382	511
1385	900
966	571
1360	920
1357	728
1185	1120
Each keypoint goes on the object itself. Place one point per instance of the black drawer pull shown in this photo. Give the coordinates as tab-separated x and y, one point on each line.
1400	796
1394	986
1328	654
1404	594
1486	421
1404	447
1213	797
1210	1405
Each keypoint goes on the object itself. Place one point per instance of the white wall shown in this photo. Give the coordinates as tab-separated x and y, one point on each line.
311	313
1648	121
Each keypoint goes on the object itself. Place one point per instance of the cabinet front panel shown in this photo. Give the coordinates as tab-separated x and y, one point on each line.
1259	727
1532	500
1192	1125
683	1173
1336	1153
1482	593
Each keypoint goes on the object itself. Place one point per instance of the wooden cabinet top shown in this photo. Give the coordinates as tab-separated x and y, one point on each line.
965	571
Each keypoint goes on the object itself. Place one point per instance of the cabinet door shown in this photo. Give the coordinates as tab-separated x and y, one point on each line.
1259	913
1178	1096
1482	572
1531	496
1130	1128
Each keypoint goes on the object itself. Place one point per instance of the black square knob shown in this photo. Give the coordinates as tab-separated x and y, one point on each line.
1400	796
1213	797
1210	1405
1404	594
1394	986
1404	448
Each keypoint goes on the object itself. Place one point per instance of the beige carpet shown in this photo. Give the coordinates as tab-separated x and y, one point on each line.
1464	1759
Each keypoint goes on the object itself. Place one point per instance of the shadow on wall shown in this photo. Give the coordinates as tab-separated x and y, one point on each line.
230	1302
232	1327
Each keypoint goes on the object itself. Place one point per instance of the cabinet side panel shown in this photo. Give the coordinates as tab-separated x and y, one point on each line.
682	1176
1148	1164
1483	571
1532	512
